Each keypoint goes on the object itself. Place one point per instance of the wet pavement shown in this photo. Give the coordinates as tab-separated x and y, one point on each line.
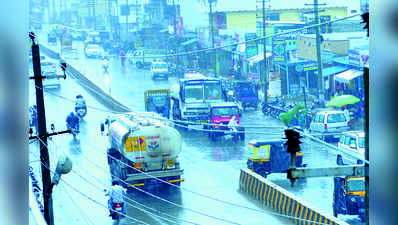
210	168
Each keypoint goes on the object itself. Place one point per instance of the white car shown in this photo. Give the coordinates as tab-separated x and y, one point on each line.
353	141
49	70
159	69
330	122
92	51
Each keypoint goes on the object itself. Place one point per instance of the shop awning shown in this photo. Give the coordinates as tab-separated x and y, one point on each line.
189	42
348	75
332	70
257	58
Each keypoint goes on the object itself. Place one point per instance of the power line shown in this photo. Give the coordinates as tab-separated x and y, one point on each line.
91	199
175	204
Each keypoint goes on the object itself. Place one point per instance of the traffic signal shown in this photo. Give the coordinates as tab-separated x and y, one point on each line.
293	140
365	20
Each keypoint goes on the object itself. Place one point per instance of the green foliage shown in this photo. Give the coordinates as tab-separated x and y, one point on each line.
287	117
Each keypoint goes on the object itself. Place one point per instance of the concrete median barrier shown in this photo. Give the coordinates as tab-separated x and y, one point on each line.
282	201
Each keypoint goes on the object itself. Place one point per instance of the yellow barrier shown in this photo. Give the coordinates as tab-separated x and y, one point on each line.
282	201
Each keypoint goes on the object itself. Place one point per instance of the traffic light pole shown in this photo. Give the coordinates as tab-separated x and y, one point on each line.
44	156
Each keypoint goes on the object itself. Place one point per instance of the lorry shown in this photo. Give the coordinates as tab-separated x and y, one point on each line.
143	150
224	120
246	93
158	101
143	58
191	98
349	194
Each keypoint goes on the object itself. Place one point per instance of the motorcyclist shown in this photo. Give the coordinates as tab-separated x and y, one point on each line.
72	121
80	102
116	194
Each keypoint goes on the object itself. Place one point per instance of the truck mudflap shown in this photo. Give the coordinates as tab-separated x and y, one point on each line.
157	174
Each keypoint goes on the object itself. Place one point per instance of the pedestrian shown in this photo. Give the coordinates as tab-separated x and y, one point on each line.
122	57
346	112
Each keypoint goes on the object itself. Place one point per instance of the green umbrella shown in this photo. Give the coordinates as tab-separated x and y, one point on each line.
342	100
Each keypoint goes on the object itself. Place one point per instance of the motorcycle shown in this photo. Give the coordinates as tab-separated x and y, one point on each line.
74	129
117	210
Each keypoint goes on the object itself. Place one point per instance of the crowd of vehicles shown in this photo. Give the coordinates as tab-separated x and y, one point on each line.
143	150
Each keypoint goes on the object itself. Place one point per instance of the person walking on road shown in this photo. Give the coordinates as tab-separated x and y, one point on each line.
122	57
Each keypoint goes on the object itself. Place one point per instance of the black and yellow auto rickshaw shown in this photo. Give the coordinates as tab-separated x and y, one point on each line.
270	156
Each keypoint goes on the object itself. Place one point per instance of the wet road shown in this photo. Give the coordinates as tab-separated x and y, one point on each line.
211	169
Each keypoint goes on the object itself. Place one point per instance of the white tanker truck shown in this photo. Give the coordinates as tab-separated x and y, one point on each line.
145	147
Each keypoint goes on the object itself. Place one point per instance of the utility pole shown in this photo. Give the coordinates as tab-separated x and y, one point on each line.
127	18
212	34
94	16
321	91
44	156
265	73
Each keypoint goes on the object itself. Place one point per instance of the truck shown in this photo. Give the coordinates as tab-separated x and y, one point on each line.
224	119
191	98
349	194
143	58
246	93
143	150
158	101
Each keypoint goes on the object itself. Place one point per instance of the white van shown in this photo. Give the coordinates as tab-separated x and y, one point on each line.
330	121
159	69
49	69
353	141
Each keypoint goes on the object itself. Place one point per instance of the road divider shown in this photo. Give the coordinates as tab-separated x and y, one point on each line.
282	201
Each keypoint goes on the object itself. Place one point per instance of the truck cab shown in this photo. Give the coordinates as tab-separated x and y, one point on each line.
247	94
192	96
158	101
349	194
224	119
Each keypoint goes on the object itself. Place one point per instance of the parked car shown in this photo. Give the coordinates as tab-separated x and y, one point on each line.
92	50
353	141
330	122
49	70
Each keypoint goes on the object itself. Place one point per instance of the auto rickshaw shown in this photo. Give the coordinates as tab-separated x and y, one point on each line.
349	194
158	101
270	156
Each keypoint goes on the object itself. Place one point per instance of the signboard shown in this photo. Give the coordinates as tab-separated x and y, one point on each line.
278	49
310	66
357	57
251	47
